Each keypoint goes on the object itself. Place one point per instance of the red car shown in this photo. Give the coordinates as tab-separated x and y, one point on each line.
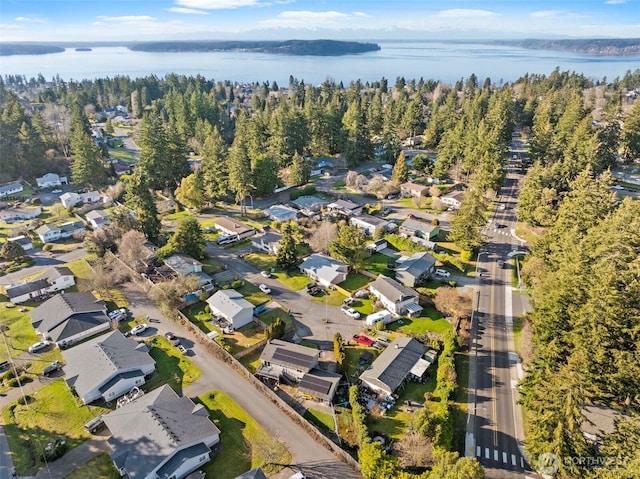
362	340
411	216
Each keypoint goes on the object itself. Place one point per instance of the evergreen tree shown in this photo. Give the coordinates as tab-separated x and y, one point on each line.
191	191
287	254
139	198
188	238
400	172
349	246
467	222
214	165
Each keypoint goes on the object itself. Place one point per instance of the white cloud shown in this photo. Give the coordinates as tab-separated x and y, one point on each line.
465	13
615	2
359	14
547	13
217	4
30	20
308	19
187	11
128	19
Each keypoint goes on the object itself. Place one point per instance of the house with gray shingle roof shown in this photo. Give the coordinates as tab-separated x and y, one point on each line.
396	298
107	367
369	223
413	270
49	233
413	189
421	229
252	474
345	207
10	215
67	318
56	279
309	205
232	306
324	269
267	242
97	218
229	226
23	241
184	265
281	213
50	180
10	189
394	365
160	435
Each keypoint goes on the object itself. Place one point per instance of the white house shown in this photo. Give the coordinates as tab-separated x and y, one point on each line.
160	435
49	233
232	306
10	189
281	213
68	318
369	223
184	265
57	278
71	199
11	215
324	269
413	270
229	226
267	242
453	200
414	189
97	218
107	367
395	298
51	180
23	241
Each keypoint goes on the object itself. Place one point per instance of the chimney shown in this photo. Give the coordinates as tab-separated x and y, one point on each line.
197	267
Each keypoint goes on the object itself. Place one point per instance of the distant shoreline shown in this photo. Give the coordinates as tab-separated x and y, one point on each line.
609	47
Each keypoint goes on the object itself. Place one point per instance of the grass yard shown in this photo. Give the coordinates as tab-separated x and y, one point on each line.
176	216
351	366
172	368
54	414
121	154
253	294
211	266
459	406
322	420
432	321
269	317
100	467
244	337
355	281
20	335
294	281
252	360
377	264
363	305
518	323
245	444
262	261
331	297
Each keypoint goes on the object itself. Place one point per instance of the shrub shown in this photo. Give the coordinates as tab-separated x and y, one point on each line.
465	255
47	247
207	309
237	284
306	191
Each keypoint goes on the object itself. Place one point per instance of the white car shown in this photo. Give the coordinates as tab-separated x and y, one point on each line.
39	346
265	289
266	274
56	191
350	312
442	273
118	313
140	328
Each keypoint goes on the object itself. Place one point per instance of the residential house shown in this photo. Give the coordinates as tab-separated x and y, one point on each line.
184	265
160	435
67	318
413	270
281	213
70	198
56	279
413	189
324	269
49	233
319	385
309	205
267	242
51	180
325	162
377	246
395	298
23	241
420	229
345	208
600	420
252	474
281	358
369	223
121	168
231	305
107	367
10	189
394	366
11	215
229	226
97	218
453	200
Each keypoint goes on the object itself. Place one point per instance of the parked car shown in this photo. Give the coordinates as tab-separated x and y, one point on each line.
265	289
172	338
39	346
350	312
182	349
349	301
52	368
411	216
360	339
140	328
500	264
56	191
118	314
266	274
362	293
94	424
442	273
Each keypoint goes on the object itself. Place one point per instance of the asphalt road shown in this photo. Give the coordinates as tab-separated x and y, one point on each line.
494	432
42	262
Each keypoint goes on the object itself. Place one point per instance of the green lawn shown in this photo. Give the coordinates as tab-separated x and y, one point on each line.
269	317
261	261
122	155
322	420
245	444
253	294
355	281
176	216
18	330
172	367
331	297
252	360
100	467
459	406
351	365
518	322
294	281
211	266
431	321
54	414
377	264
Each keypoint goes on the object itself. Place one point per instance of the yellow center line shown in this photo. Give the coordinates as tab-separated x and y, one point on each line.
493	361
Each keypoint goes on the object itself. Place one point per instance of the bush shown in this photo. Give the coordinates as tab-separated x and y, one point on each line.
36	201
306	191
237	284
47	247
465	255
207	309
22	400
435	221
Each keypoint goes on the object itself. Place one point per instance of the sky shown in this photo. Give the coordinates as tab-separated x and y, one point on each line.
127	20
